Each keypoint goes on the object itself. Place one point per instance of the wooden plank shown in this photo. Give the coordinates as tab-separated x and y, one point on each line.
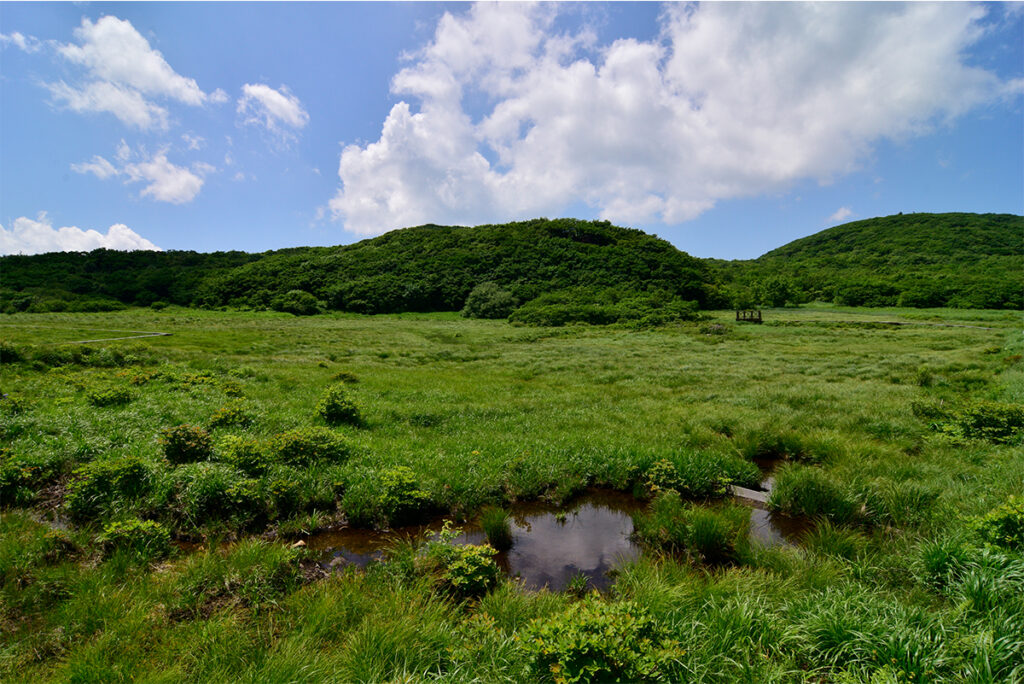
749	494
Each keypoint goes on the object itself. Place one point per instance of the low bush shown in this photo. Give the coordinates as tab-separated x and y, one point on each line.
108	396
102	486
232	415
991	421
298	302
700	475
598	306
144	539
489	300
461	570
307	445
186	444
383	498
598	641
336	408
497	526
244	453
20	476
1004	525
808	491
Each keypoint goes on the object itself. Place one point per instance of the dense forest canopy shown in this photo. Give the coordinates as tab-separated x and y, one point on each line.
917	260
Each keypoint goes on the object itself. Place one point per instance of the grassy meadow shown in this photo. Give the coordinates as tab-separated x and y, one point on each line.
132	548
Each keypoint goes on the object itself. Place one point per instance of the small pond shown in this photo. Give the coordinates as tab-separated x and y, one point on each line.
591	536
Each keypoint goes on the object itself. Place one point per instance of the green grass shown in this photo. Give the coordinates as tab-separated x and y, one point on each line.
458	414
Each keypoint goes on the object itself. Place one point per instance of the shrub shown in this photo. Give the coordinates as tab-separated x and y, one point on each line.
101	485
1004	526
990	421
143	538
489	300
701	475
597	641
19	477
243	453
497	527
207	493
462	570
186	444
335	407
306	445
604	306
108	396
230	415
802	490
390	497
298	302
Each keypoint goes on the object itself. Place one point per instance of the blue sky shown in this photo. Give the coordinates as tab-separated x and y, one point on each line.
728	129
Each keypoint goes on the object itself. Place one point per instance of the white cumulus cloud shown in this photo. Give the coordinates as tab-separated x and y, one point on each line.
99	167
122	72
21	41
731	100
841	214
36	237
278	111
166	182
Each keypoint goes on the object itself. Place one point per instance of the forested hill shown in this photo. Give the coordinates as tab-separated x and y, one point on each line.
427	268
916	260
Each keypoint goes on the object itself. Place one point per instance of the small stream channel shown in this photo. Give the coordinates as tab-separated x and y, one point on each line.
551	545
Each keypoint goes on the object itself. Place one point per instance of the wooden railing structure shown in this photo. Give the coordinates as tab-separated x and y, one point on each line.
748	315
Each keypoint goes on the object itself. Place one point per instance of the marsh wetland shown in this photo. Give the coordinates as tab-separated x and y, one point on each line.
263	497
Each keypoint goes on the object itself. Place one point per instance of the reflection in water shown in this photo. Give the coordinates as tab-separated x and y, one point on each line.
551	545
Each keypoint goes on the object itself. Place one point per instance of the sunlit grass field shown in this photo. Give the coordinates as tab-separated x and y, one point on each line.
485	413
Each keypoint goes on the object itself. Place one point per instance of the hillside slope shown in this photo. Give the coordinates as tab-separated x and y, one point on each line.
918	260
433	268
427	268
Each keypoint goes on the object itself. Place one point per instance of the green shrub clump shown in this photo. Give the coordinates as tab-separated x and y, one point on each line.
489	300
989	420
246	454
108	396
598	641
298	302
102	485
803	490
597	306
1004	526
336	408
389	497
19	478
462	570
700	475
186	444
232	415
307	445
143	538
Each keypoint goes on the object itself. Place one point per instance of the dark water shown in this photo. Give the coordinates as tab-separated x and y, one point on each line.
550	545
